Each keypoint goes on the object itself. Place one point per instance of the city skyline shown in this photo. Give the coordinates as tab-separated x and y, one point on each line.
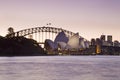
91	18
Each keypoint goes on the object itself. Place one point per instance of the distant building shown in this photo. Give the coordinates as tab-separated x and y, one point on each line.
98	41
116	43
93	42
102	38
98	45
105	43
105	46
109	40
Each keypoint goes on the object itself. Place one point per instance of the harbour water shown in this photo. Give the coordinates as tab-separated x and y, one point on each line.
60	68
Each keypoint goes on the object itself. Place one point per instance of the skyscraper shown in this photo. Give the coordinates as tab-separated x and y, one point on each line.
102	37
109	38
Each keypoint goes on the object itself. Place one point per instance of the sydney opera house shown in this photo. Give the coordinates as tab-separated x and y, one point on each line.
63	43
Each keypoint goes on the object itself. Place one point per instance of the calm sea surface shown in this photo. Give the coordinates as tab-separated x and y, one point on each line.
60	68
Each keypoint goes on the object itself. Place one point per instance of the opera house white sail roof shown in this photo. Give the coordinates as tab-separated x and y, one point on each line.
62	45
49	44
61	37
73	42
63	42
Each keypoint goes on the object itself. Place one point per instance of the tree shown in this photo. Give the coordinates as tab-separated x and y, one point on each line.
10	30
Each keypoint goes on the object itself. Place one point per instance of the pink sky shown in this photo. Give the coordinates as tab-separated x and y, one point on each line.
90	18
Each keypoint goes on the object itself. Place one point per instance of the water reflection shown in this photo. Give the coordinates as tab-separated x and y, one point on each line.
60	68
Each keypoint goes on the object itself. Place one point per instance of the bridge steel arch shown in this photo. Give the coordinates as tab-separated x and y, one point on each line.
26	32
40	29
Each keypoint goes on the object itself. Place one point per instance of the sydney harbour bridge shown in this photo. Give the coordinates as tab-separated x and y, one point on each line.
40	34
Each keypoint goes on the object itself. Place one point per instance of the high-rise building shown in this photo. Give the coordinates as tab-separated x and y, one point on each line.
109	38
98	41
102	38
98	45
93	42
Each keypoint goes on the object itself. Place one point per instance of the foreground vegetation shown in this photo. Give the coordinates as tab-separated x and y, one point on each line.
20	46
